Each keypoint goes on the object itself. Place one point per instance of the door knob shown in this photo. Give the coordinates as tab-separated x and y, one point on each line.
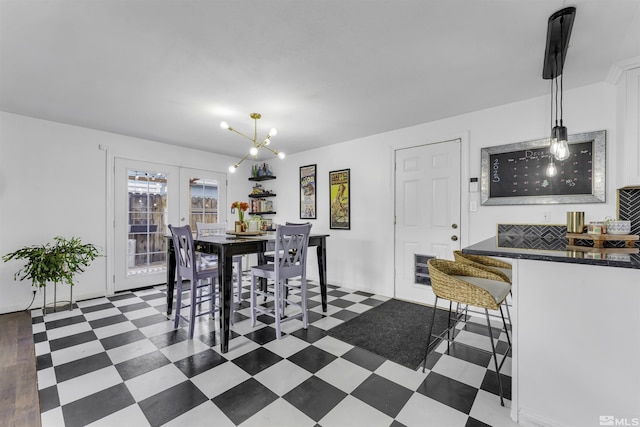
182	219
454	226
454	238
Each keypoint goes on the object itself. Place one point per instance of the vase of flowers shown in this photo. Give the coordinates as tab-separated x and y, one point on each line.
242	208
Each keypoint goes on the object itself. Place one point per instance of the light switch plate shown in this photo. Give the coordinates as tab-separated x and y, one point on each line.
473	185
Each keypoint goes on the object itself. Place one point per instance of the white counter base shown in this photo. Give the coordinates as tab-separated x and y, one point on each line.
576	354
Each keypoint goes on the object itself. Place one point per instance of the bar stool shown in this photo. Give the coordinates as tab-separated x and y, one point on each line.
493	265
464	283
204	229
188	268
290	261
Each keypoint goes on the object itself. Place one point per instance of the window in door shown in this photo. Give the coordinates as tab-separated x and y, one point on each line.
203	205
147	213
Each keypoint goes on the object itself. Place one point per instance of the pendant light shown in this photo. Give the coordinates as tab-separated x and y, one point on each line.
559	144
558	33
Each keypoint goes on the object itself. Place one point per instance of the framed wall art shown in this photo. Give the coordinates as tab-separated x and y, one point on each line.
308	192
515	174
340	195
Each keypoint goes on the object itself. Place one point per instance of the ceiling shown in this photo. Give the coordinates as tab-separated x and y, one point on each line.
320	71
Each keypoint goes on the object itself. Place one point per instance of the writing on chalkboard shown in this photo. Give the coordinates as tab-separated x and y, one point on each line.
496	170
523	173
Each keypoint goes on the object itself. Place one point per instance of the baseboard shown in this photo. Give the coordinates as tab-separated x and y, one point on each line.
527	418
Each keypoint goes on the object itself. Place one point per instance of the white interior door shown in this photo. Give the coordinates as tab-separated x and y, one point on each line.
427	203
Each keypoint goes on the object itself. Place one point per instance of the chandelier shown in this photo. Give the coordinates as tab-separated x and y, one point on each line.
256	144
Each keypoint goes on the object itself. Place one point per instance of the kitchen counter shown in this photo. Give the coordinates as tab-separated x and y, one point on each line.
575	328
540	249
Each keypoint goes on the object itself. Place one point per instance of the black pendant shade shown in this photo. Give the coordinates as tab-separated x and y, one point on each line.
558	34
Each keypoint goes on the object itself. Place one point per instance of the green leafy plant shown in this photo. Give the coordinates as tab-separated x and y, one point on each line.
56	263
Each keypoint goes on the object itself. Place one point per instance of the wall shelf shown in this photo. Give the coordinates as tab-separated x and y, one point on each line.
262	178
260	206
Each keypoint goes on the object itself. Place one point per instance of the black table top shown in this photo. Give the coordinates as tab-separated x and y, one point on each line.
229	239
552	250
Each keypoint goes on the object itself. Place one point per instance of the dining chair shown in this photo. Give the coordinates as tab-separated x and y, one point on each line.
290	261
465	284
202	277
204	229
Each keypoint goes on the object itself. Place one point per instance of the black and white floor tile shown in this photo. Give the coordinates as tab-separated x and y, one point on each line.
117	361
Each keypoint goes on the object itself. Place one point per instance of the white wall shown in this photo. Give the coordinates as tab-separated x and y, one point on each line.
53	181
362	257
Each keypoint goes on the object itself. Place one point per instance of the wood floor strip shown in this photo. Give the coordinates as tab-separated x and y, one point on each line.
19	401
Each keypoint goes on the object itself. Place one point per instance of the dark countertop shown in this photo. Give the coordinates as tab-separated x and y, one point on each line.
552	250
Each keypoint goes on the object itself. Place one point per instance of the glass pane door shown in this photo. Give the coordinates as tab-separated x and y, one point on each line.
203	206
147	201
202	197
149	197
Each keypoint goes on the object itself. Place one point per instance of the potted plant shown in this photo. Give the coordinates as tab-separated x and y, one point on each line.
53	263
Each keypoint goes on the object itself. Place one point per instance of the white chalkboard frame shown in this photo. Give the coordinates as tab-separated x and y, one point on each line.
598	195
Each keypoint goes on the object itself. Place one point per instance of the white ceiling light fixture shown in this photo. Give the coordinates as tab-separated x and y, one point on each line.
256	144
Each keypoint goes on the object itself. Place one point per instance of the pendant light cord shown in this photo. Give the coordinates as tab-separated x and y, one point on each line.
551	109
561	74
556	80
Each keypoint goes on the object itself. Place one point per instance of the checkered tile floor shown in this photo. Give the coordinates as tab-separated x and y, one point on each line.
117	361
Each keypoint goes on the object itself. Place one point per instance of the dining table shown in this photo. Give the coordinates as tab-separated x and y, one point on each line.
225	246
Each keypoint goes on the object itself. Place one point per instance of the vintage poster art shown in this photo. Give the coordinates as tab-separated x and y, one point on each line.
308	192
339	192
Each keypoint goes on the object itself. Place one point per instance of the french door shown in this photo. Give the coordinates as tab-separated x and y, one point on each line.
149	197
427	203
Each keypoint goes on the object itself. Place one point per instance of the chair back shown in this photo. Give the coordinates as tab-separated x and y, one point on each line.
204	229
291	249
501	268
184	249
448	282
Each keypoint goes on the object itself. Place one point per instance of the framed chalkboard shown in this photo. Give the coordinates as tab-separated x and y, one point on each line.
515	174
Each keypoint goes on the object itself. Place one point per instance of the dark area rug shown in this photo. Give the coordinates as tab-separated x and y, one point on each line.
395	330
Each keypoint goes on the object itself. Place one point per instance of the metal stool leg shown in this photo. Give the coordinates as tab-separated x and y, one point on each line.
495	357
433	319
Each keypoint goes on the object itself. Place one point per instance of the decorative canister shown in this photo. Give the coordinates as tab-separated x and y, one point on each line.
575	222
618	227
